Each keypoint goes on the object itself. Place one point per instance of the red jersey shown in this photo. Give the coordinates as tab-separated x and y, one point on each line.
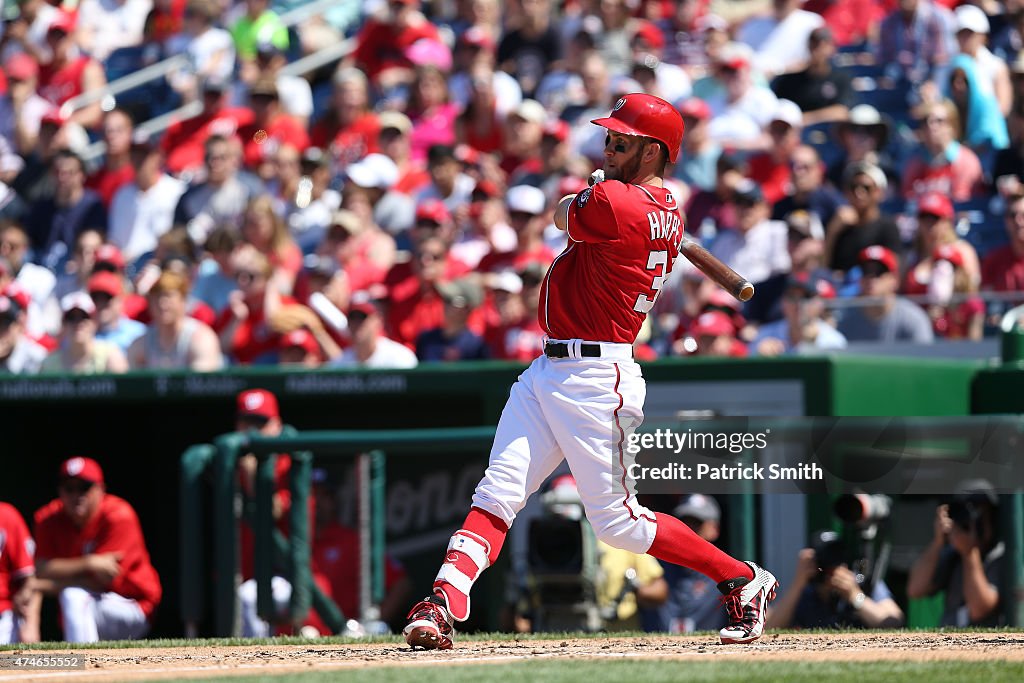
253	339
184	141
336	558
114	528
262	143
348	144
58	85
16	550
623	241
107	182
1003	271
772	176
381	46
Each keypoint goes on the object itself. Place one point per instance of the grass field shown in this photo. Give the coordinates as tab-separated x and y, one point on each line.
995	656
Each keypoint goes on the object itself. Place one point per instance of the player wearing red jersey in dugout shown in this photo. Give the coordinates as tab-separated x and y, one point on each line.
579	400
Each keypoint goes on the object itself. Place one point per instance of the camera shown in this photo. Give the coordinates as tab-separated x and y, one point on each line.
828	550
863	509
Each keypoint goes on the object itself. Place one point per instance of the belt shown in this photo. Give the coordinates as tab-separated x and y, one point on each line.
565	349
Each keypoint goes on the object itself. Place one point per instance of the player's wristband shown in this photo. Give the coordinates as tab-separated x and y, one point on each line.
858	600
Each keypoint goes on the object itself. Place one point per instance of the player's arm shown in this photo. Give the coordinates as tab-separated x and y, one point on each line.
562	211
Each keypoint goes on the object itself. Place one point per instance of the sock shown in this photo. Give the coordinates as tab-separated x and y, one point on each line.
472	549
677	543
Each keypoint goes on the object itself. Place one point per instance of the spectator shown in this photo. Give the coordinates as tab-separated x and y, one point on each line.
528	50
984	127
58	219
935	229
395	143
431	112
700	155
216	278
271	127
741	108
527	216
853	22
142	210
914	41
210	51
117	169
684	33
80	352
886	318
1003	268
807	191
381	45
447	182
299	349
368	192
862	137
822	92
106	25
107	292
78	268
825	593
487	230
27	31
861	223
711	211
267	232
993	76
21	107
38	282
244	334
19	354
757	247
91	555
349	128
780	41
657	77
173	340
186	141
370	348
965	558
508	334
258	22
941	164
714	334
295	93
35	181
481	124
453	340
19	600
309	200
803	328
414	304
524	132
222	197
771	169
693	604
69	74
562	88
956	310
475	57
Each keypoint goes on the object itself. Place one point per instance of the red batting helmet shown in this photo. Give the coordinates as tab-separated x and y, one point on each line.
641	114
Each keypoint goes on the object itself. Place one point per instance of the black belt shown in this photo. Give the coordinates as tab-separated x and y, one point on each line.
561	350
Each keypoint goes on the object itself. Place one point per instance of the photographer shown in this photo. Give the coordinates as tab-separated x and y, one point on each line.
826	593
964	558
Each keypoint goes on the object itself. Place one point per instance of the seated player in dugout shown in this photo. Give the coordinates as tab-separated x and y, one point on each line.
19	599
624	235
826	593
965	558
91	556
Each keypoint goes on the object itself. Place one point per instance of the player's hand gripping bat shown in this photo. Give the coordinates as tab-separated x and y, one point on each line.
724	276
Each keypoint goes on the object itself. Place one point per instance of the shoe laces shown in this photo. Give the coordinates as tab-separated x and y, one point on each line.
739	612
433	612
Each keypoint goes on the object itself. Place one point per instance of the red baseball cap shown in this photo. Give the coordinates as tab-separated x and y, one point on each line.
366	307
108	253
302	339
52	117
935	204
571	184
476	36
557	129
877	252
258	403
487	188
713	324
433	210
62	21
695	108
21	67
86	469
651	34
947	252
105	282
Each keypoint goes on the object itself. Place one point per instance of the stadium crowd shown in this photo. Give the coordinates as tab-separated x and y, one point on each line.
394	206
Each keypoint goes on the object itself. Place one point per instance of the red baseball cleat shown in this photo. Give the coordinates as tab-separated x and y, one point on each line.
430	625
745	603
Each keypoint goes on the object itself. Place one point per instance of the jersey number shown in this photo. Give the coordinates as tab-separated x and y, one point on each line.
654	259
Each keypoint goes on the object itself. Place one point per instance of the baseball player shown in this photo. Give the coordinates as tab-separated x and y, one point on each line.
90	553
579	399
19	601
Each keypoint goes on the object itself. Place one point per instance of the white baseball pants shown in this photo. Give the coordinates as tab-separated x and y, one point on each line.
8	628
252	625
91	617
583	410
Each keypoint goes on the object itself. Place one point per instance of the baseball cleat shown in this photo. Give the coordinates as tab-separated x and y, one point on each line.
430	625
745	602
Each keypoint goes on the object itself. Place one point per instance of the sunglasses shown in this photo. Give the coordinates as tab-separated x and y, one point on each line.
873	270
865	187
356	317
76	486
75	317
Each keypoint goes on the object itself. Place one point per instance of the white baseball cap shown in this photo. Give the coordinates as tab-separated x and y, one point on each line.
527	199
507	281
77	300
375	170
971	18
789	112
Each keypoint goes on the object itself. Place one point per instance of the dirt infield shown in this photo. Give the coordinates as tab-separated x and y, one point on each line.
203	662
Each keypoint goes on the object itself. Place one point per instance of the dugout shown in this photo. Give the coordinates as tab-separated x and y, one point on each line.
138	425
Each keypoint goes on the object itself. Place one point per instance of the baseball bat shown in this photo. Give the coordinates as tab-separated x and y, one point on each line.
724	276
